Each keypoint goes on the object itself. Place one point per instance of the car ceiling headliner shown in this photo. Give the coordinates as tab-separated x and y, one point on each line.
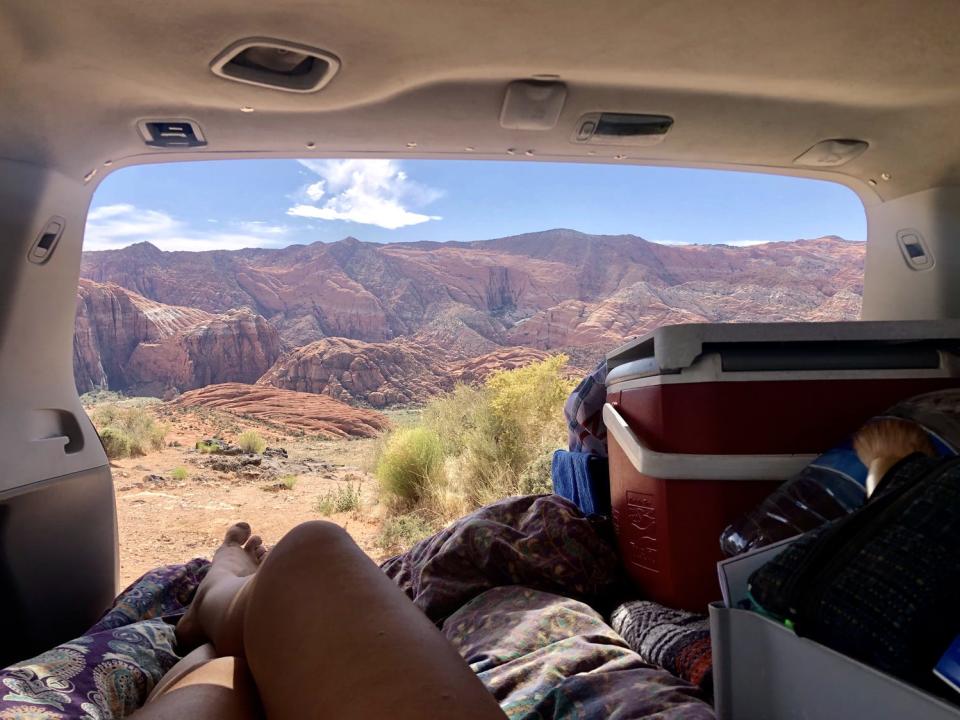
749	82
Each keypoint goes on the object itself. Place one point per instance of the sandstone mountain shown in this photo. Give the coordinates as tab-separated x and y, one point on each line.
394	324
547	289
125	342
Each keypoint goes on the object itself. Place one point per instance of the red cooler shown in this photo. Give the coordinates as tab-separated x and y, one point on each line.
704	420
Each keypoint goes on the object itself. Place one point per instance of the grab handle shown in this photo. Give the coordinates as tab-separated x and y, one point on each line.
685	466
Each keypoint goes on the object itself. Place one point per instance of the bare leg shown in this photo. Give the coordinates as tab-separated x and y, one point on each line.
219	689
329	635
326	635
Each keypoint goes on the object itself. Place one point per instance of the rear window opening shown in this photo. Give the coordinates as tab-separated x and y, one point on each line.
275	340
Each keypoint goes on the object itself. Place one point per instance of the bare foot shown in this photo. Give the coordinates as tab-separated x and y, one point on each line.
213	616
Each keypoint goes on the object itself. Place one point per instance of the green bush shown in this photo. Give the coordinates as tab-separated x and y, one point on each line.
289	481
251	441
410	464
128	431
456	415
477	445
344	498
115	443
510	435
179	473
205	448
535	478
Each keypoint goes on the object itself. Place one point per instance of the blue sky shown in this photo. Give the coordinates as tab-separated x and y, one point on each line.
274	203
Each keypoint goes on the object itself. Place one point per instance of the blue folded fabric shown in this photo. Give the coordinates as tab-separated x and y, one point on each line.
583	479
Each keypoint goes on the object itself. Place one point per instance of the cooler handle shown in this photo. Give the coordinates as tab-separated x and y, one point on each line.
685	466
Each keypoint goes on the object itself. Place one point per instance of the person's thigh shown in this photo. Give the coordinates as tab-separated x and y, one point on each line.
217	689
327	634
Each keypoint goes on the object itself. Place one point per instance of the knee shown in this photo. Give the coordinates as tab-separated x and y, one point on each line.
313	534
318	530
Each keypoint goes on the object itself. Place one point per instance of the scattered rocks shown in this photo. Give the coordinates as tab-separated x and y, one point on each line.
233	464
275	452
218	446
275	487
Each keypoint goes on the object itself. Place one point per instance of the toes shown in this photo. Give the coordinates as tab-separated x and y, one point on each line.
252	544
255	548
238	534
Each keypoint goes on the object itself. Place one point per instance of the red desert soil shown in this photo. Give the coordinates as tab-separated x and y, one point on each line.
315	414
164	520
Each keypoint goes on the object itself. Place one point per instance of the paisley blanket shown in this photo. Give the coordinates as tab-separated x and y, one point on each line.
542	542
516	586
108	672
547	656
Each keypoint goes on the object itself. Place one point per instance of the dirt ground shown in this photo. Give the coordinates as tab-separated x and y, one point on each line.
165	517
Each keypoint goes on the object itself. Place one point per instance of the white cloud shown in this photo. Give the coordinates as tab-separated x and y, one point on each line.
116	226
672	242
370	192
748	243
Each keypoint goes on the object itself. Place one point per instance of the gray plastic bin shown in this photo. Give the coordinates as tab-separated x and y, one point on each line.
763	671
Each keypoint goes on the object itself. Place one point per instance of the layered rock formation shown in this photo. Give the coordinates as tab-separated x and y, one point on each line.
394	324
111	323
549	289
125	342
376	374
475	370
314	414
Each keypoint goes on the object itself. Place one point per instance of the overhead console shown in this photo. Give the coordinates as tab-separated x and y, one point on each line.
608	128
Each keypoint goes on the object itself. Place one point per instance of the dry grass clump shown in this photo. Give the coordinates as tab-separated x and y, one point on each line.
343	498
401	531
250	441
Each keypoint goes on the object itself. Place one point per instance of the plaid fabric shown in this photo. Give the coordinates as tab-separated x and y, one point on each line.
676	640
584	413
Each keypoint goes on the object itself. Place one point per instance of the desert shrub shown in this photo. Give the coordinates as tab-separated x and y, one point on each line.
535	478
495	441
510	436
250	441
456	415
343	498
401	531
179	473
410	464
128	431
289	481
115	443
205	447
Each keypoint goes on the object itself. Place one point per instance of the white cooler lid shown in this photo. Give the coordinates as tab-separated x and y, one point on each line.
674	347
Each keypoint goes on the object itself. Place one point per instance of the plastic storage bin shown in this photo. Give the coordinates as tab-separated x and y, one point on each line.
704	420
763	671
